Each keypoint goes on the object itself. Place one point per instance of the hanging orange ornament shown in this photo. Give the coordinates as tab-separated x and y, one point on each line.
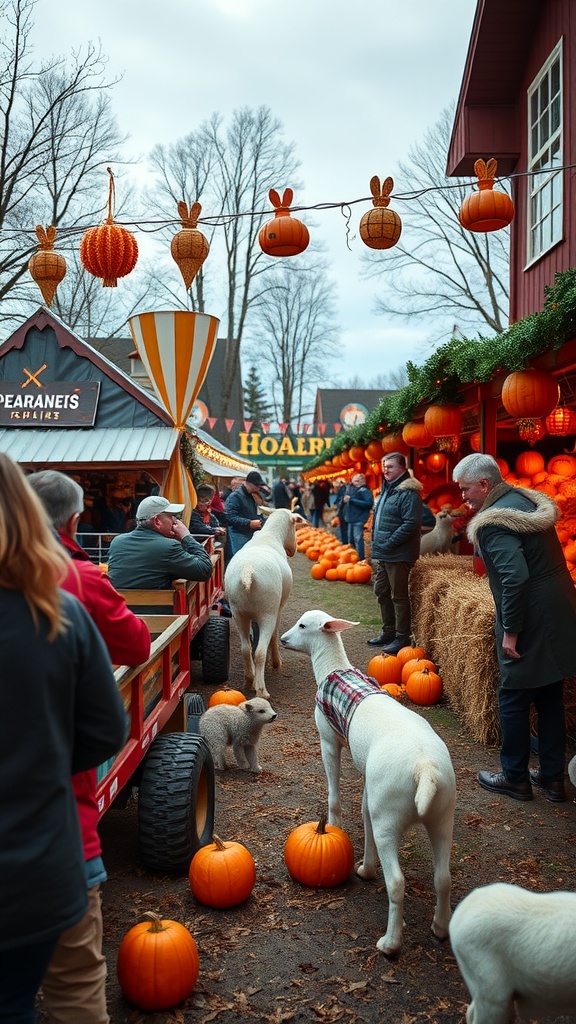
380	228
189	247
47	267
561	422
444	422
283	236
109	251
531	430
486	210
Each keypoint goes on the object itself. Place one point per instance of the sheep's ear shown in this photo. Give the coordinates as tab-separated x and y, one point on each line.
245	706
337	625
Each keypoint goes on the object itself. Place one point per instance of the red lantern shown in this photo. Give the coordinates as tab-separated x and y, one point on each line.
380	228
486	210
283	236
109	251
476	442
436	462
417	435
561	421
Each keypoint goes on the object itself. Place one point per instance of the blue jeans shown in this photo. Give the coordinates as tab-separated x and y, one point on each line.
342	531
515	723
356	531
316	517
21	974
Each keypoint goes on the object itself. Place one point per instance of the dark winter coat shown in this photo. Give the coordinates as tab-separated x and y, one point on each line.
241	508
61	713
398	521
281	495
146	560
531	586
359	504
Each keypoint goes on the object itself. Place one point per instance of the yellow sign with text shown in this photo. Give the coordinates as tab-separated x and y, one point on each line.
264	444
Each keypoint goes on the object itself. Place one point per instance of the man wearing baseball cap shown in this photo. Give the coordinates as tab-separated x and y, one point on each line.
242	510
158	551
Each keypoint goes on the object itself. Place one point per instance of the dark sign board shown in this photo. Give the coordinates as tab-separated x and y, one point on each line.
59	404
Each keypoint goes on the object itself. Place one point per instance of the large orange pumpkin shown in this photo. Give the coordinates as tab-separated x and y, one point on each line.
394	443
443	420
424	687
385	668
530	394
319	855
529	463
284	235
415	665
357	453
416	434
407	653
562	465
380	228
226	696
157	964
222	874
109	251
487	209
373	451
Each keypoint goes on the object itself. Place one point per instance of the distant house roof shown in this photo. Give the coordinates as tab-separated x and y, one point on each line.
336	406
117	350
495	63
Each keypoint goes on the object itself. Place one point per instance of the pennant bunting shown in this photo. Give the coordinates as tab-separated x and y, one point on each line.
283	427
229	424
248	425
211	421
265	427
321	428
337	427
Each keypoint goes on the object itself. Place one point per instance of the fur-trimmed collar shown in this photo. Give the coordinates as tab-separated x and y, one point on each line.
543	517
410	484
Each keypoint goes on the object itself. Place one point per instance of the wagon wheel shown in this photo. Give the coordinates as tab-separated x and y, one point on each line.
216	651
175	802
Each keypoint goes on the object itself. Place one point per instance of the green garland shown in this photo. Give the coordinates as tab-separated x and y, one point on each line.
463	361
190	459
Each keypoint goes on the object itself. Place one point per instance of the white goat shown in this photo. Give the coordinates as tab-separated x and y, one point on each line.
517	952
258	582
438	541
408	775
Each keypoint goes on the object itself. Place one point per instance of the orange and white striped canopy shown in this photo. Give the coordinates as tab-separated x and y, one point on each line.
176	349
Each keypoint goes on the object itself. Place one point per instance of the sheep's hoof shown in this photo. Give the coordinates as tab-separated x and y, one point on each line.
363	872
388	948
262	693
440	933
276	663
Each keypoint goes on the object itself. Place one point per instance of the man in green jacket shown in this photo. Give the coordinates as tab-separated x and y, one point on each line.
158	551
513	531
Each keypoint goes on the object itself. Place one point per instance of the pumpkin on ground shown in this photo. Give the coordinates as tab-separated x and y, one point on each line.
385	668
408	653
424	687
319	855
157	964
394	690
414	665
222	874
226	696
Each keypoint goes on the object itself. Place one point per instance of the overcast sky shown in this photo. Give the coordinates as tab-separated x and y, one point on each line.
354	84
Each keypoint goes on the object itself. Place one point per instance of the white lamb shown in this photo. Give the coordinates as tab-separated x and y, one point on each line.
258	582
517	953
438	541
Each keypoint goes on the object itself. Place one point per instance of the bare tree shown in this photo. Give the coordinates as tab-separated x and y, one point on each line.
230	170
294	335
439	272
57	135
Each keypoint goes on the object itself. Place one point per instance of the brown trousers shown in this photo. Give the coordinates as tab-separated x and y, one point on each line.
74	988
391	591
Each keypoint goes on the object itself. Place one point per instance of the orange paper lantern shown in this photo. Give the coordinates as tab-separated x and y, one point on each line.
283	236
561	422
487	209
530	394
109	251
417	435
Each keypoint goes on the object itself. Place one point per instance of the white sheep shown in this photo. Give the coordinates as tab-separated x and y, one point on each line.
408	774
438	541
517	952
258	582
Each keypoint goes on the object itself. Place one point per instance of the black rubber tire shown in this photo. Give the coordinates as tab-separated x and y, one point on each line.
175	802
195	708
216	650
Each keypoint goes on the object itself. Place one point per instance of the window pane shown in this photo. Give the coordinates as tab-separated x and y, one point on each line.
544	128
555	115
544	93
557	224
555	77
533	109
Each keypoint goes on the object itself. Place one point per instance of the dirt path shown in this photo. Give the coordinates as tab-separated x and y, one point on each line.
295	954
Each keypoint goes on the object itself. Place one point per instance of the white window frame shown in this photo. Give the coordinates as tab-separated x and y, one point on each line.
545	199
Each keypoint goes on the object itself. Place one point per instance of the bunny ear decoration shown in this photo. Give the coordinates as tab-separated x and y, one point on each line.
284	235
47	267
380	228
189	247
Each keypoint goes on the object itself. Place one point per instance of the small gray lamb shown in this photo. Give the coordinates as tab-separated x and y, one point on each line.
238	726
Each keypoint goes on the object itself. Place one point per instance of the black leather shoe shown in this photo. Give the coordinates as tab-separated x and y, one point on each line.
496	782
397	644
553	791
379	641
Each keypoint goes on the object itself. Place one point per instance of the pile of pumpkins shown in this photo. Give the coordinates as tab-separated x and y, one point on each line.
557	479
409	672
331	559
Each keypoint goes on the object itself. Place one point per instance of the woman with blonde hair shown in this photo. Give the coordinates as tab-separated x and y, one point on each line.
61	713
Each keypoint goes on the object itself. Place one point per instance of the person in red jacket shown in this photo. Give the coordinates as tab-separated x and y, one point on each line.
74	988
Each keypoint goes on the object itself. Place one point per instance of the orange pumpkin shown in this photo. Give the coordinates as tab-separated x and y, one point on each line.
319	855
318	571
394	690
407	653
284	235
385	668
380	228
529	463
109	251
443	420
226	696
417	435
530	394
562	466
356	453
157	964
424	687
394	443
222	874
415	665
362	573
373	451
476	441
487	209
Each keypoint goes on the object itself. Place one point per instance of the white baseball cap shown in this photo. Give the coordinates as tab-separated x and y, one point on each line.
154	505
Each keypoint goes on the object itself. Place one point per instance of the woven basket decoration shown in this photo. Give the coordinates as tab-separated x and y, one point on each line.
380	228
47	267
189	247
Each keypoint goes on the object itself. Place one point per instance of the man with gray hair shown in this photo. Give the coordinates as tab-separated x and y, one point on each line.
513	531
159	550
